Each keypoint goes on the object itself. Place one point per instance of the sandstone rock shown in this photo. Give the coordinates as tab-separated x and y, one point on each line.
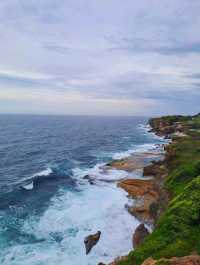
149	261
128	164
145	193
168	130
142	209
161	127
139	236
138	187
155	170
90	241
187	260
119	259
165	127
133	162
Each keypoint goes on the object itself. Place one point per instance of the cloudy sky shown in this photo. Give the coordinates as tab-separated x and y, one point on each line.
100	57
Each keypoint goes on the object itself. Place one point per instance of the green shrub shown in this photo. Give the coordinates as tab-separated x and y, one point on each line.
179	177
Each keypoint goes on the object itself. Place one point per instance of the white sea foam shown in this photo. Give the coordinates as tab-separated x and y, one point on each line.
28	186
146	130
137	149
150	147
69	219
72	216
28	181
44	172
99	172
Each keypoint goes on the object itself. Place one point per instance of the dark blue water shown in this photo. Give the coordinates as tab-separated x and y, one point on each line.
41	160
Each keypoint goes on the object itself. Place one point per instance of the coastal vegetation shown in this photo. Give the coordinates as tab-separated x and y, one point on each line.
177	230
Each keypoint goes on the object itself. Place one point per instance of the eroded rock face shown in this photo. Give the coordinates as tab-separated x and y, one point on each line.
187	260
128	164
145	194
139	236
90	241
141	211
149	198
157	170
166	127
138	187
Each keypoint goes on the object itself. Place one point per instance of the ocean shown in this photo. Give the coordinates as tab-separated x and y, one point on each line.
46	205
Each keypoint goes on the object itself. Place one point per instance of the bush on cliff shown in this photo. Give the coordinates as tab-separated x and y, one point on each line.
179	177
183	162
183	151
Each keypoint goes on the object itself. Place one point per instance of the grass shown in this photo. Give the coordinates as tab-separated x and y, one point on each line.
182	175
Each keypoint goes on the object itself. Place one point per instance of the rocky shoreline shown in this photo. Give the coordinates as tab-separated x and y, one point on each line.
151	197
147	194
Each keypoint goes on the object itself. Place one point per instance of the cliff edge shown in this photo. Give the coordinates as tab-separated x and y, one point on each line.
176	235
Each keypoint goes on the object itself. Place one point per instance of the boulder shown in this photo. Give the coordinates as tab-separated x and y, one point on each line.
139	236
90	241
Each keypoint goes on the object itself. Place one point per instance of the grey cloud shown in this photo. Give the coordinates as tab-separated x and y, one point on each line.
142	45
194	76
104	49
57	48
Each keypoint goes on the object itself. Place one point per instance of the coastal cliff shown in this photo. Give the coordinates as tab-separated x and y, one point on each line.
170	200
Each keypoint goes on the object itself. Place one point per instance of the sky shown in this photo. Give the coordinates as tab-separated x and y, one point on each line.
100	57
